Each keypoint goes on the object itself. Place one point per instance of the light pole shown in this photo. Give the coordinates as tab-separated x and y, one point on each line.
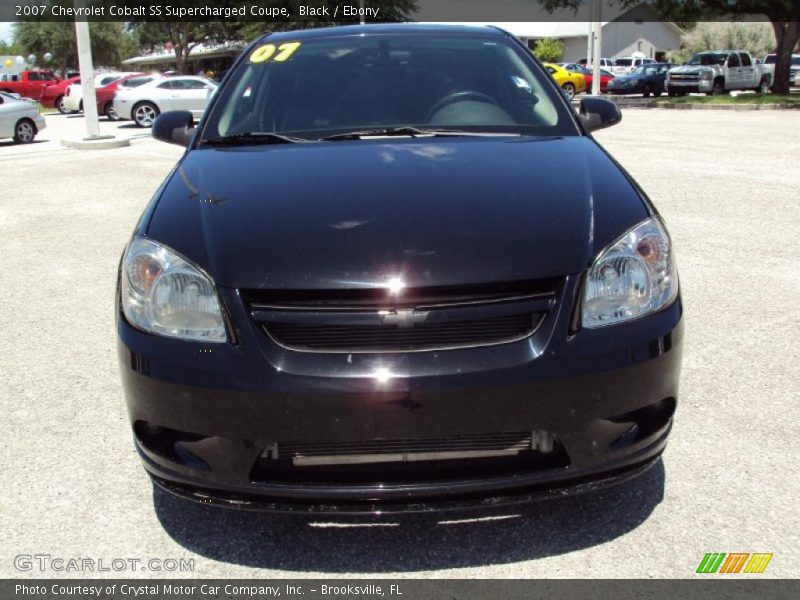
87	73
598	43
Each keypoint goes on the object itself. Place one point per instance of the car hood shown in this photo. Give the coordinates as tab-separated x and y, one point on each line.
436	211
691	69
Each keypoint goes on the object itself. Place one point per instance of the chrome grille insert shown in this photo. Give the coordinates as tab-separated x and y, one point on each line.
409	450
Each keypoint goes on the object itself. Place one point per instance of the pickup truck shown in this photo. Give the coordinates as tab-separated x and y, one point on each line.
28	84
719	72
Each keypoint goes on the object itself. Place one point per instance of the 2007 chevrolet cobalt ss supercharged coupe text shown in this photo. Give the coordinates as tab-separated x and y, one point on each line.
368	286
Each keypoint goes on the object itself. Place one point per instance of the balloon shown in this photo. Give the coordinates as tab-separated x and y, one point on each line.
31	59
20	60
9	63
48	57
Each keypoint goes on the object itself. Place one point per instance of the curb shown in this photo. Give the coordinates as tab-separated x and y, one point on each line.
703	106
101	144
655	103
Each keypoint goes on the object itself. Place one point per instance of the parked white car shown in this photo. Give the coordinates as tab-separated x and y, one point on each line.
73	96
182	92
19	119
628	64
605	63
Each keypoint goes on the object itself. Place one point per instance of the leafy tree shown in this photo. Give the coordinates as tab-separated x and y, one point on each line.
58	38
6	48
183	36
756	37
549	49
784	15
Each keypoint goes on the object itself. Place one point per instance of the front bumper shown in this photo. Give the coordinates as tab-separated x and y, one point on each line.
690	86
607	395
72	102
123	108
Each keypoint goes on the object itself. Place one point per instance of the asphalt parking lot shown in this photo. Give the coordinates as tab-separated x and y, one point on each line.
727	184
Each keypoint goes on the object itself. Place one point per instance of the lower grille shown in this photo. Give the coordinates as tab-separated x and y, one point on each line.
410	460
383	338
409	450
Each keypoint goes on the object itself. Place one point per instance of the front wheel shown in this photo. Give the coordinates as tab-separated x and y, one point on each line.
718	89
144	114
24	131
569	90
647	91
763	87
61	106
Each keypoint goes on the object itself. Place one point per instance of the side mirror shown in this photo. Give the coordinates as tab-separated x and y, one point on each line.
174	127
598	113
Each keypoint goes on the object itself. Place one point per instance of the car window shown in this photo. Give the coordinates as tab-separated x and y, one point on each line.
347	83
106	79
746	62
708	58
623	62
733	60
33	76
135	82
194	84
166	85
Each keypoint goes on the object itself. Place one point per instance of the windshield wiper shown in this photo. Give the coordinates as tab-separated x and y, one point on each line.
253	137
410	132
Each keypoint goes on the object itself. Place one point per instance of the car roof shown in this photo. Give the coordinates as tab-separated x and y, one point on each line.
384	28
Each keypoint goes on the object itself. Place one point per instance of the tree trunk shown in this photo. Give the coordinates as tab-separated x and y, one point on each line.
180	58
786	36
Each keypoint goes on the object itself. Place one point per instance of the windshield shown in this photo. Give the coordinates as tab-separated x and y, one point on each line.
623	62
708	58
645	70
317	87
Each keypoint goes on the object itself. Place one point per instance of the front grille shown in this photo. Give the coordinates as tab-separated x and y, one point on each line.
424	319
684	77
366	338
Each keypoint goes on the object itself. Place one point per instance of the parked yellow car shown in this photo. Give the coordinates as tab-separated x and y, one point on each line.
571	82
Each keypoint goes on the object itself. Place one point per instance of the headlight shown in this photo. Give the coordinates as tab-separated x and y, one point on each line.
706	75
163	293
633	277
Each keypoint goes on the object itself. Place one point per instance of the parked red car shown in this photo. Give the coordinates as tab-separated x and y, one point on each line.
53	95
28	84
605	77
105	95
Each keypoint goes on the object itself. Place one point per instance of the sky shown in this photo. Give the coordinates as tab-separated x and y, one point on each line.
5	31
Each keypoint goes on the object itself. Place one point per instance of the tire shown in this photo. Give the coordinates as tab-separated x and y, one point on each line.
59	103
144	114
109	111
647	91
718	89
569	90
24	131
672	94
656	94
763	87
